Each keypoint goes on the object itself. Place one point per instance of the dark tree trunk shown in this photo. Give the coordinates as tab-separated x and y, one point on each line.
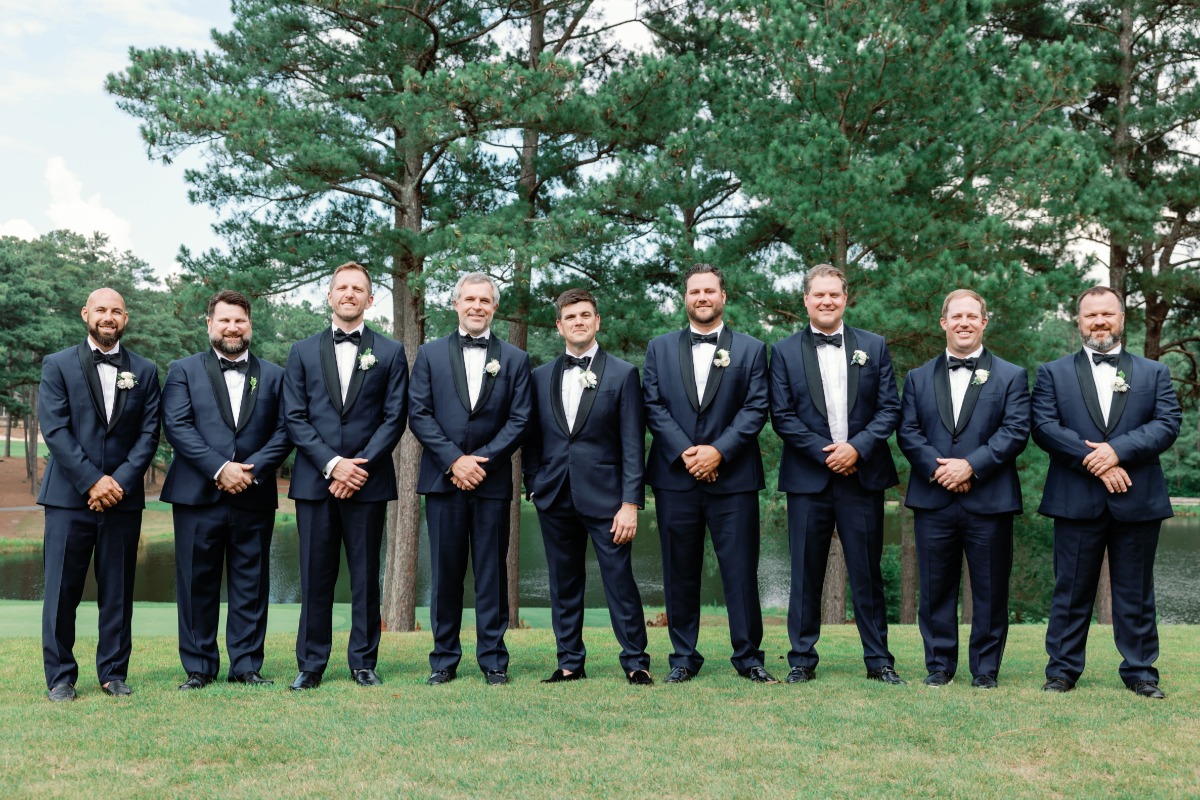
833	597
968	604
908	568
1104	595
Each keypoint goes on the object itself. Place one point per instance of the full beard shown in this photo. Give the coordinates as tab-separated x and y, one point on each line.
1102	342
105	338
221	346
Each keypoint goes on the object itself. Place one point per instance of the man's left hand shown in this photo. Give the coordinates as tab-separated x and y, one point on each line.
341	490
1101	459
235	477
842	457
624	526
702	461
953	472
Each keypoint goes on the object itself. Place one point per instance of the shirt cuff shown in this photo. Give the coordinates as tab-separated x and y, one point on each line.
223	466
329	467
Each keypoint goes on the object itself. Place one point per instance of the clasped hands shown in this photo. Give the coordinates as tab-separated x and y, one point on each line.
235	478
954	474
104	493
1105	465
347	477
701	462
842	458
466	472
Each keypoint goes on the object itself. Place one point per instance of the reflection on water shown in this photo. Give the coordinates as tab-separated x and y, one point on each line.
1176	570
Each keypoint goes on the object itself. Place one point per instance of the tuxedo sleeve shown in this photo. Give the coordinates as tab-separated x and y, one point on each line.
179	423
295	402
911	436
531	450
887	411
395	413
520	407
743	429
785	419
133	470
1003	446
633	442
54	418
271	455
1145	442
658	417
421	418
1063	444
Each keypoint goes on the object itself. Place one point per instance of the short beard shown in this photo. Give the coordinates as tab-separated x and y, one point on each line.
105	340
1102	345
218	343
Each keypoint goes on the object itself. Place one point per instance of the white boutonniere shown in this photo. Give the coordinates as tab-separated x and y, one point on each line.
253	384
125	380
587	379
1119	384
722	359
859	358
492	367
366	359
981	376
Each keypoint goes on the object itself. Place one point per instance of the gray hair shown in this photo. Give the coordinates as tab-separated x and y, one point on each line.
477	277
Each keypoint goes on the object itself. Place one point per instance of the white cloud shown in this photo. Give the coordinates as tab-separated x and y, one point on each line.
20	228
69	209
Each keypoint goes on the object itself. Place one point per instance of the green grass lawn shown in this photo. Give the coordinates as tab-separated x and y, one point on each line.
718	736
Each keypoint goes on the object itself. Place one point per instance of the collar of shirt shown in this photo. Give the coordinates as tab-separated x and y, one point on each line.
116	348
841	328
978	352
485	335
245	356
1116	351
591	353
717	330
360	328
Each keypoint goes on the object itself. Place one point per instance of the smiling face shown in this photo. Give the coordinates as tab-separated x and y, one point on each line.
704	301
1101	321
229	329
105	318
350	297
578	323
476	305
826	303
963	323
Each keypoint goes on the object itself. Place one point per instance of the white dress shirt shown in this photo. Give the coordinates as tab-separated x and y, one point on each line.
832	361
108	379
1104	375
702	360
474	360
960	381
235	383
572	389
346	354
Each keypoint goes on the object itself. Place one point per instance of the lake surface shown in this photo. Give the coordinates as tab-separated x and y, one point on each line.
1177	570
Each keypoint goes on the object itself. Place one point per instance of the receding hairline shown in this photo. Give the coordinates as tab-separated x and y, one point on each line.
95	292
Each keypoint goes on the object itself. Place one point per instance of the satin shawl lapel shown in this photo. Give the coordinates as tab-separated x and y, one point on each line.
556	403
249	393
588	397
1087	385
458	371
715	373
92	377
973	390
119	400
941	392
687	371
333	383
812	371
489	380
357	376
849	345
212	368
1125	365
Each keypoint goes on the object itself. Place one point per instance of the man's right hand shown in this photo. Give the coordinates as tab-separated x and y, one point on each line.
1116	480
466	472
348	471
104	493
235	477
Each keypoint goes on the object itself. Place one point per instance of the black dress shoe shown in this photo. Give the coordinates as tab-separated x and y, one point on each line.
62	693
679	675
195	680
562	676
496	677
252	678
1148	689
117	688
439	676
640	677
801	675
938	678
306	680
886	674
984	682
365	677
758	675
1058	685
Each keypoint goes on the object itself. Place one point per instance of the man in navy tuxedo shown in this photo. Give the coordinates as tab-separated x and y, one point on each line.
470	419
345	401
584	472
1104	415
223	414
98	405
964	419
705	390
834	405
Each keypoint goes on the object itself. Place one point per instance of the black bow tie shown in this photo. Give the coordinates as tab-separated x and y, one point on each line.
966	363
834	339
1105	358
236	366
466	340
106	358
340	336
704	338
571	361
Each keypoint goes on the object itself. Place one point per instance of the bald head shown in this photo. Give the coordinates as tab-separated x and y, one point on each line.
105	318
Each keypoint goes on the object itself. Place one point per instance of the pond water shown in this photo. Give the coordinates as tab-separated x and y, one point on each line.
1177	570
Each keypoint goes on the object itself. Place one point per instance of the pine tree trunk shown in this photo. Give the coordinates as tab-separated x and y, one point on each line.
31	439
1104	595
833	597
968	602
908	568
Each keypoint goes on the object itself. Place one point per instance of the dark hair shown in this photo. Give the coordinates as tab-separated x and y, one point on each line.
352	265
1097	290
232	298
572	296
701	269
824	271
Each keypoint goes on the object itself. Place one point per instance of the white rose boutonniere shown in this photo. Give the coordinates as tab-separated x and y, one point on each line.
492	367
859	358
587	379
981	376
722	359
125	380
1119	384
366	359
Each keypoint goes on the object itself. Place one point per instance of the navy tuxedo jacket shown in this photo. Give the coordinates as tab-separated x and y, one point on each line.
800	418
601	458
368	425
442	419
728	417
1142	423
992	430
83	447
198	422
